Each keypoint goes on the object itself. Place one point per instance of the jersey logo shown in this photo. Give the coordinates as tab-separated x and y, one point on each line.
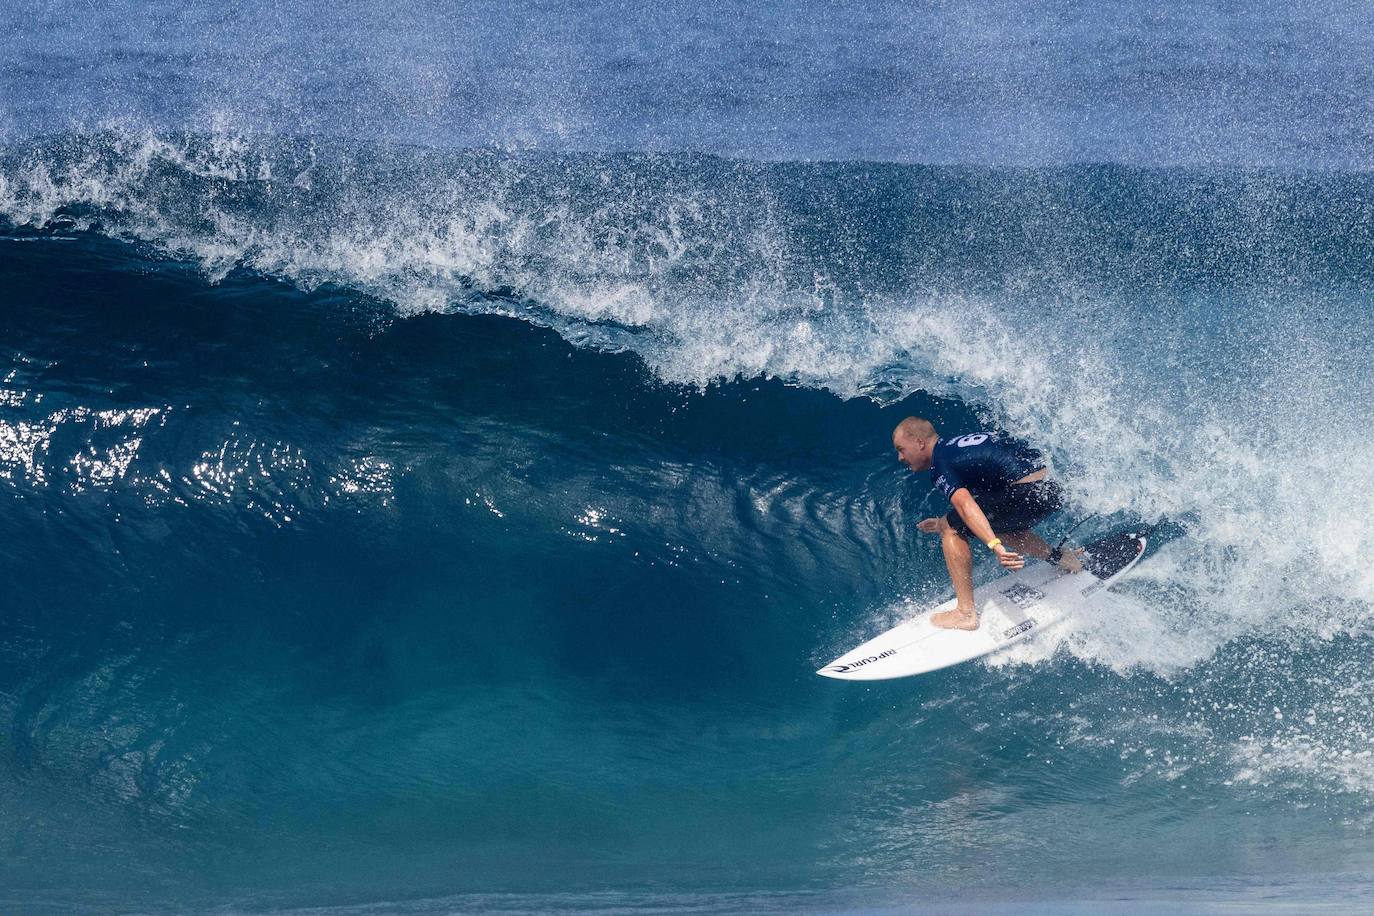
970	439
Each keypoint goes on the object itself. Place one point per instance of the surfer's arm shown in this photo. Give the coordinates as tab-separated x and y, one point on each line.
967	507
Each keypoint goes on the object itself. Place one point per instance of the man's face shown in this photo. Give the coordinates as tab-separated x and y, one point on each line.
909	451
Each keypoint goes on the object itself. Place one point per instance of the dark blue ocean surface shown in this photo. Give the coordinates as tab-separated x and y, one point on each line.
437	448
1008	82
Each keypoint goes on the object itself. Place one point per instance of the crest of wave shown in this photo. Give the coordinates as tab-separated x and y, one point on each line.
586	244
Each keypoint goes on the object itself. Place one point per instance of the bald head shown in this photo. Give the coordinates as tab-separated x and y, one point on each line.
917	428
914	439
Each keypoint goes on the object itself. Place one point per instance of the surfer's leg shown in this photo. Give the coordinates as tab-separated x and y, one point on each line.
1032	544
959	562
1026	542
1027	505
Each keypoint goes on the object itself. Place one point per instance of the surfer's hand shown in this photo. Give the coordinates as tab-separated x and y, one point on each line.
930	525
1009	559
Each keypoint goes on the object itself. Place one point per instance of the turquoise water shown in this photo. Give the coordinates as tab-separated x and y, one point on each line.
405	516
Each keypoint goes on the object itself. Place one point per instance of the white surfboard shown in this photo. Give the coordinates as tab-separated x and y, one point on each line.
1010	609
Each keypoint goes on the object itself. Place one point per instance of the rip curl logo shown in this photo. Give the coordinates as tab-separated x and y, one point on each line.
1017	630
841	669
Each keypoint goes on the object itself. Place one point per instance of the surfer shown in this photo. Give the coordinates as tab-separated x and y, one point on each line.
998	488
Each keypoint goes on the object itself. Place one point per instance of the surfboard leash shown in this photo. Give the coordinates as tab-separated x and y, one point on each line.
1058	550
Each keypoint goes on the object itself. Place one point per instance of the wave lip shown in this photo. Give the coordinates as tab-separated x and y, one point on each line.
841	275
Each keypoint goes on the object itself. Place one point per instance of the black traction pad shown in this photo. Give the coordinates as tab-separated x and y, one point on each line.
1107	556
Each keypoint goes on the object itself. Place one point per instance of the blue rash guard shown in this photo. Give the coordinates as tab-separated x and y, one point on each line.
986	463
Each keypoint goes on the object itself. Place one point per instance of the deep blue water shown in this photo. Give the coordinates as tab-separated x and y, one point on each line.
438	447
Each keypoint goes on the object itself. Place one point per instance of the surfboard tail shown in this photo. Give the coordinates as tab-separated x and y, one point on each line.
1108	556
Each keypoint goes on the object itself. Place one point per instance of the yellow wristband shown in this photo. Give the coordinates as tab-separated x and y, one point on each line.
992	544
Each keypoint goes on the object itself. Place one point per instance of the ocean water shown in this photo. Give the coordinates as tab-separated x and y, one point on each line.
438	446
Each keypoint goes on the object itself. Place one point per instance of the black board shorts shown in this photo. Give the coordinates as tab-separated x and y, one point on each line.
1016	508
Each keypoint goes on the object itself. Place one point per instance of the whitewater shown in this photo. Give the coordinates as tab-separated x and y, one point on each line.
439	446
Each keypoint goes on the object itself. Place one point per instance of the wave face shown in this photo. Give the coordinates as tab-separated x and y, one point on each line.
438	448
403	509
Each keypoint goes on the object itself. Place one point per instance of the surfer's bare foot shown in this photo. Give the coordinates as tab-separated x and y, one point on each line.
1071	560
957	619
